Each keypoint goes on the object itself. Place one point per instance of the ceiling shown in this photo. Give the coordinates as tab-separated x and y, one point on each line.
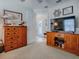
41	6
38	4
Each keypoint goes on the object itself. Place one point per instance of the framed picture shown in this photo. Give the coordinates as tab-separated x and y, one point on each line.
57	13
68	10
11	16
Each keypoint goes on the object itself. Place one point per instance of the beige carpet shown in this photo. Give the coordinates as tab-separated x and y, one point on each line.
37	50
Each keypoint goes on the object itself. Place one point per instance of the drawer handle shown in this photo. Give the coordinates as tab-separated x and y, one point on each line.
11	38
14	33
7	33
14	28
11	47
11	42
17	37
8	29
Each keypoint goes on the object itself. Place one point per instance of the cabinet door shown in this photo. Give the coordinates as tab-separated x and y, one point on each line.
67	42
77	44
8	29
73	43
48	39
52	38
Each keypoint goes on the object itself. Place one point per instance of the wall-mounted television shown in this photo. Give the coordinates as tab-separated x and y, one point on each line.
66	24
69	25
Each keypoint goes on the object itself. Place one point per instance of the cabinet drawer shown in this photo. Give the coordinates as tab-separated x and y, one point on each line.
14	33
9	38
8	33
78	45
15	28
20	41
20	45
25	43
10	47
9	29
10	42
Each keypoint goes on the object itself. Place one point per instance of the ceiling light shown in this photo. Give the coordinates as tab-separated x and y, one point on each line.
58	1
40	1
45	6
23	0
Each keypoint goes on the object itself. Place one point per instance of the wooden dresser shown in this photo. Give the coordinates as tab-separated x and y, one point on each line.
14	37
71	43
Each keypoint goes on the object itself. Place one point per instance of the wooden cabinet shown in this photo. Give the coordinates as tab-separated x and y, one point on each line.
71	43
50	38
14	37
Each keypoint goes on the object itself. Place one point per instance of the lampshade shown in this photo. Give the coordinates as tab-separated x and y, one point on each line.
5	16
55	24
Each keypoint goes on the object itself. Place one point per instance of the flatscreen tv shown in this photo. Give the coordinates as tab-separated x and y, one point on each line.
66	24
69	25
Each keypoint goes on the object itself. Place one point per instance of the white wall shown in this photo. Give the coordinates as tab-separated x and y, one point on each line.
45	24
60	6
28	16
43	18
31	25
8	5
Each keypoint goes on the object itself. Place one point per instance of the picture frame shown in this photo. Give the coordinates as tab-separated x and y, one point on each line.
68	10
12	15
57	13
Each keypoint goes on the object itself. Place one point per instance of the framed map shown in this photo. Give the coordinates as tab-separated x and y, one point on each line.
11	16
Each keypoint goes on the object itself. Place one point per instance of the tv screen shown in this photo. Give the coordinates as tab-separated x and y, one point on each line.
69	25
66	24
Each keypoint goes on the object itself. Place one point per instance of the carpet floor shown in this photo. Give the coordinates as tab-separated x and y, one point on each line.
37	50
